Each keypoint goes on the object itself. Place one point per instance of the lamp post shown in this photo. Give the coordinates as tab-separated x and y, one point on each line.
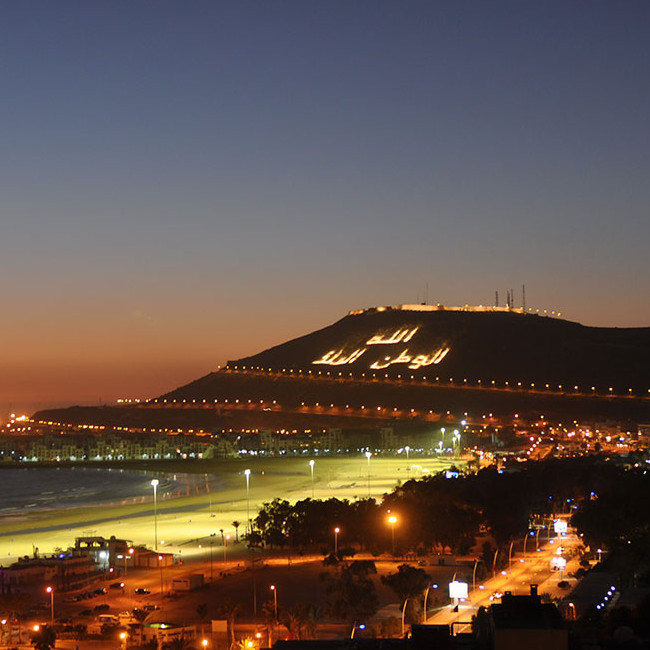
474	575
311	467
154	485
392	520
368	455
247	474
408	467
424	607
403	613
50	590
126	557
572	609
337	530
456	440
275	602
160	562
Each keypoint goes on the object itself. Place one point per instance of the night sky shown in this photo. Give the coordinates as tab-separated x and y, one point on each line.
184	183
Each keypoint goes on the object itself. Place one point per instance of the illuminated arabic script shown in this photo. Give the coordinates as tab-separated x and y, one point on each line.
403	335
339	357
414	361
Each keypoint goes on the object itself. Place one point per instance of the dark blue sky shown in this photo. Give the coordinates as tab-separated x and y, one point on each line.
184	183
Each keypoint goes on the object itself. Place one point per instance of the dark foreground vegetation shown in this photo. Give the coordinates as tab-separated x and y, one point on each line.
605	501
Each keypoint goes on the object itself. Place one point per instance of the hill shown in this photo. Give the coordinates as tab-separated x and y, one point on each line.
419	362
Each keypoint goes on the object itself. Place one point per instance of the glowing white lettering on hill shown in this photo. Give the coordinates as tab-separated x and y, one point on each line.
402	335
399	336
339	357
414	362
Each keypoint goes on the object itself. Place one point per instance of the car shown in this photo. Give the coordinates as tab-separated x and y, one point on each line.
86	612
116	585
100	591
141	591
101	608
496	595
150	608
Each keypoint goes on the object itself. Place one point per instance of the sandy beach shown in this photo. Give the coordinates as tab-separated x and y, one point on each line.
184	520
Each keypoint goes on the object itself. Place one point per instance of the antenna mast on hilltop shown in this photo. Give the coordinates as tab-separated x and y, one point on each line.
496	295
523	296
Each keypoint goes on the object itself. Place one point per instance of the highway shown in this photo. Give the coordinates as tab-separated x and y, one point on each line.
534	568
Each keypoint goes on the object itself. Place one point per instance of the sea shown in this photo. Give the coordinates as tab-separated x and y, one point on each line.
32	489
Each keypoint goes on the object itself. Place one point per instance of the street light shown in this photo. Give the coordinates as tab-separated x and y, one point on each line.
154	485
311	466
337	530
368	455
247	474
125	557
408	467
474	575
392	520
275	601
160	562
211	543
50	590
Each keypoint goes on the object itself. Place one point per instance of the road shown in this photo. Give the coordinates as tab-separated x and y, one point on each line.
534	568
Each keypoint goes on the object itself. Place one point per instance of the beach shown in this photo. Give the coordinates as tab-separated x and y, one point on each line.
197	499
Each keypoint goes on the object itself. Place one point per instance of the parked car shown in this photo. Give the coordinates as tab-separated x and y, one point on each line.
142	591
116	585
100	591
101	608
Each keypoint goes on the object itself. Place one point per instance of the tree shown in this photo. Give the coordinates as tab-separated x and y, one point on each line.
140	615
407	582
177	643
291	618
44	638
353	595
268	611
202	611
229	609
236	525
271	522
16	605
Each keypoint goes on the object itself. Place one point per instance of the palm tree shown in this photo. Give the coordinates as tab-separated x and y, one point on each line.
140	615
15	605
236	525
230	609
202	611
268	611
315	616
177	643
292	619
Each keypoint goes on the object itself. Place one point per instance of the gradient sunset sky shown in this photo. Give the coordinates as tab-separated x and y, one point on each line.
185	183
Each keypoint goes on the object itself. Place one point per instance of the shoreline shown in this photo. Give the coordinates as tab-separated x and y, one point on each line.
204	513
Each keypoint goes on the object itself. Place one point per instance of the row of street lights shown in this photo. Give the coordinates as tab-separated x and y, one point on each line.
392	520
